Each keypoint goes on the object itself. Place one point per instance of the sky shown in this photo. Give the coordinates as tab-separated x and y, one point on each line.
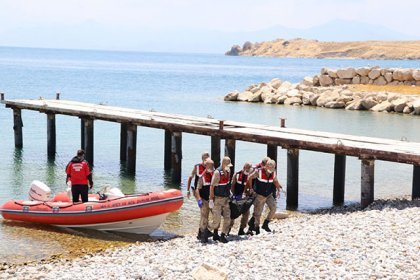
192	26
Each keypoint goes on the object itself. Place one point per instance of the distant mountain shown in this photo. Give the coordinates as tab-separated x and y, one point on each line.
93	35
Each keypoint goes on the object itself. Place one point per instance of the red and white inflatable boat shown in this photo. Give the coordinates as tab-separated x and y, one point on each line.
137	213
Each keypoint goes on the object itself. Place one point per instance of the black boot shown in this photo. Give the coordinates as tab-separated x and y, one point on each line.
209	233
199	234
257	230
241	231
216	236
251	224
223	238
265	226
204	237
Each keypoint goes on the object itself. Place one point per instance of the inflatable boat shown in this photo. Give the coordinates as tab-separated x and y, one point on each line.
135	213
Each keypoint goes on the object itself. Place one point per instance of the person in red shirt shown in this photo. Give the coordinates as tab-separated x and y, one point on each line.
78	177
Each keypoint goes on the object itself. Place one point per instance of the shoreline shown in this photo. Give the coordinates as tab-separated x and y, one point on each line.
332	243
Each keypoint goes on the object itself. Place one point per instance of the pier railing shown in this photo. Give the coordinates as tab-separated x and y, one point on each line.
367	149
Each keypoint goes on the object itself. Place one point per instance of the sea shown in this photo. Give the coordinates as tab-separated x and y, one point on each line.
181	83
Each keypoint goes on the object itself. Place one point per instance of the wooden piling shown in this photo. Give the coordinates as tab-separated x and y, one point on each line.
282	122
215	150
416	182
51	136
1	96
176	156
272	152
367	186
87	139
167	161
57	96
17	127
123	142
292	199
230	147
339	180
131	151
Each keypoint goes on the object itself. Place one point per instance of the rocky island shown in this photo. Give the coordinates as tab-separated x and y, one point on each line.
317	49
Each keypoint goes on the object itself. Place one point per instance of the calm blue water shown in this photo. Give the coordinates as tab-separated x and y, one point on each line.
188	84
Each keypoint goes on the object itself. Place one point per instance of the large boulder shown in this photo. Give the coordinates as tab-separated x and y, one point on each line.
374	73
335	104
355	105
293	93
416	74
308	81
244	96
348	73
355	80
399	104
306	98
381	97
325	80
293	100
380	81
281	99
313	99
207	272
403	75
364	71
384	106
275	83
265	91
364	80
416	106
326	97
342	81
368	103
231	96
388	77
332	73
256	97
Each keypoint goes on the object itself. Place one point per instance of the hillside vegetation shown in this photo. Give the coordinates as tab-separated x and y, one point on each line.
318	49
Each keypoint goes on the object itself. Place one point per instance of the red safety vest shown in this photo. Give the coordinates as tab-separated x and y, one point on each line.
79	172
223	188
199	170
205	189
264	184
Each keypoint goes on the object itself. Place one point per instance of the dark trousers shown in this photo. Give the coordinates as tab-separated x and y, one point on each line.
79	190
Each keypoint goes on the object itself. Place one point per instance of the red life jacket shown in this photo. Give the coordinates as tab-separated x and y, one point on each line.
240	184
223	188
79	172
199	170
264	185
205	189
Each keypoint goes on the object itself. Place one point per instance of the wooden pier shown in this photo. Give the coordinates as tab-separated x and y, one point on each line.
367	149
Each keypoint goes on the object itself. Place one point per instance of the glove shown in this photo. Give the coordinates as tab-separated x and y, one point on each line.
211	204
200	203
237	197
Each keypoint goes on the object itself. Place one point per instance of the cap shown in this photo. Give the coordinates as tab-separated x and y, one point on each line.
227	162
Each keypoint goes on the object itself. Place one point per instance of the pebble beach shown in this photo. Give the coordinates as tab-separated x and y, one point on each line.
379	242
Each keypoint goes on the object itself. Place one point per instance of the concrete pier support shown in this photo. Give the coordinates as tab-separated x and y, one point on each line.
87	139
272	152
51	136
339	180
215	150
131	150
176	156
167	161
17	127
292	199
230	147
416	182
368	179
123	142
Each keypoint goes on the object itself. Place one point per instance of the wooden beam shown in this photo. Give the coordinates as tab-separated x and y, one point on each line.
176	156
131	152
51	136
17	127
272	152
87	139
339	180
167	161
230	147
215	150
416	182
123	142
292	199
368	179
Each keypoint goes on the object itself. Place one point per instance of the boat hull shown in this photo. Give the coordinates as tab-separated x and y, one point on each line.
141	213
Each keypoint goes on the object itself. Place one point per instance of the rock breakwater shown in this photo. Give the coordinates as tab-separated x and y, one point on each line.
328	90
380	242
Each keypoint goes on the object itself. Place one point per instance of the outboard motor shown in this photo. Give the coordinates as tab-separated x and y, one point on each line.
109	192
39	191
